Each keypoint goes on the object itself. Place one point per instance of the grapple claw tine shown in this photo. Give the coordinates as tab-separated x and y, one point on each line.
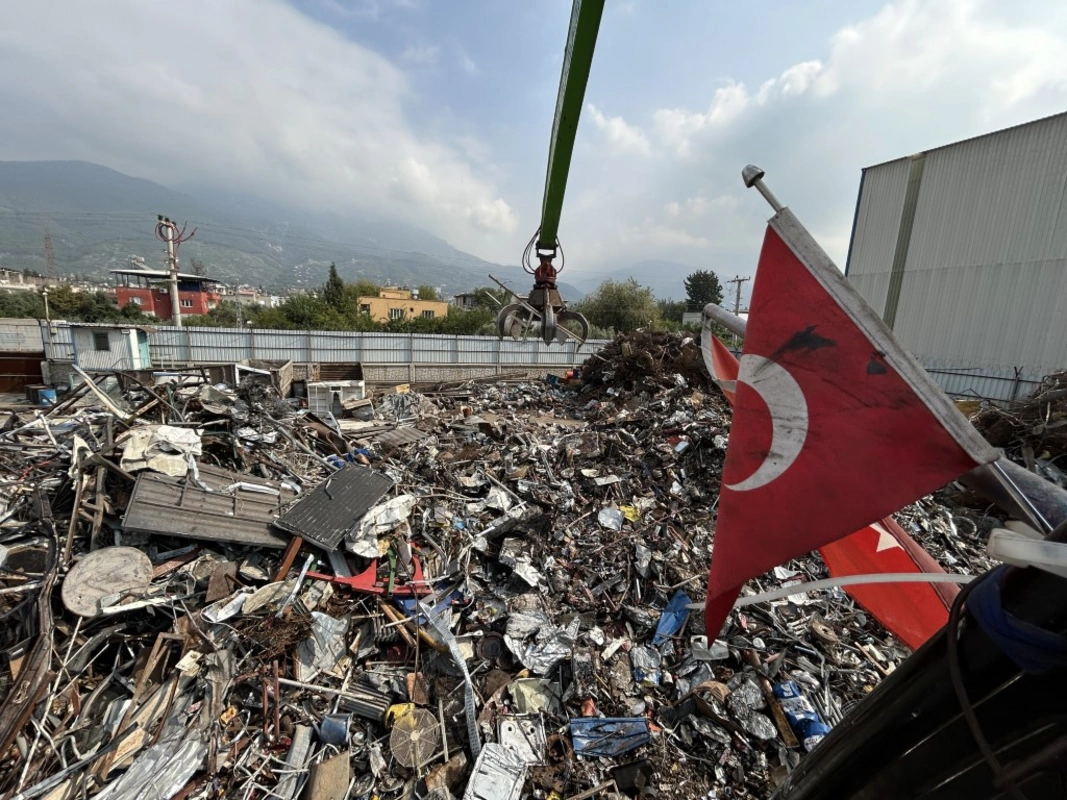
548	325
508	320
583	323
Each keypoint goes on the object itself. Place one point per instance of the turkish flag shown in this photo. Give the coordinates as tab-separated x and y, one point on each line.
835	426
913	612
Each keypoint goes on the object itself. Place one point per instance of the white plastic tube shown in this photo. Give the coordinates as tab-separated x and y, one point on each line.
844	580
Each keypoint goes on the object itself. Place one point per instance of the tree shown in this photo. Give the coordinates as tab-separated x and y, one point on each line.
672	310
702	287
620	305
427	292
333	292
363	288
491	298
197	266
24	305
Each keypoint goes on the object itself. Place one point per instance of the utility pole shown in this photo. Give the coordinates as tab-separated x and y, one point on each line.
49	257
737	299
167	231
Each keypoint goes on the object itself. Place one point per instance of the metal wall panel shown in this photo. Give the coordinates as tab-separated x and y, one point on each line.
432	349
985	280
20	336
874	240
58	341
335	346
477	349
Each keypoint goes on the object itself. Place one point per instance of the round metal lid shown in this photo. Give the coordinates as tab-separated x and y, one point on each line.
103	572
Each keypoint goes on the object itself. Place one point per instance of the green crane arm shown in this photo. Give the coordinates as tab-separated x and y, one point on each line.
581	40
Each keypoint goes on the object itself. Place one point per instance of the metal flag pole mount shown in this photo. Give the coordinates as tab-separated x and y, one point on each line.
1019	496
753	176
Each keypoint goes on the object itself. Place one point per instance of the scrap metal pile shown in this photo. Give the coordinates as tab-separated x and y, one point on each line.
1032	430
479	591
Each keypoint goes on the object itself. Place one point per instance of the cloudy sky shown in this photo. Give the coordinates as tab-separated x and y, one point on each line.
438	112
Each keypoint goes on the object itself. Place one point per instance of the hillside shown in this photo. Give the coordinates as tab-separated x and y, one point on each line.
98	217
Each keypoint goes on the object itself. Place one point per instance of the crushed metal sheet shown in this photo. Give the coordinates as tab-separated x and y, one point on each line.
396	437
335	506
174	507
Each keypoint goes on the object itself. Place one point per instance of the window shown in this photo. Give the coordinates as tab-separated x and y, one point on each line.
427	314
365	308
135	300
396	313
101	341
187	303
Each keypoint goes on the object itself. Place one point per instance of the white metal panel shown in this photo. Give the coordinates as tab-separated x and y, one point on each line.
477	349
986	272
339	347
117	356
428	349
20	335
874	239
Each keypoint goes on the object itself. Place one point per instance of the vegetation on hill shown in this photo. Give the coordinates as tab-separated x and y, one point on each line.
616	306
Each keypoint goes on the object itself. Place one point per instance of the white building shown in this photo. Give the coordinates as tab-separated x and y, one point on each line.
108	348
963	250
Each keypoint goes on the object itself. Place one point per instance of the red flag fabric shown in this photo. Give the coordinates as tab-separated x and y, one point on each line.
720	363
913	612
835	426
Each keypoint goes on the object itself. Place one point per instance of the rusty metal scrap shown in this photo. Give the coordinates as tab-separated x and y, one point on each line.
511	552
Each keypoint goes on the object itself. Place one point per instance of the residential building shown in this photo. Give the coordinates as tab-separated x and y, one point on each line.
466	300
394	303
149	290
246	296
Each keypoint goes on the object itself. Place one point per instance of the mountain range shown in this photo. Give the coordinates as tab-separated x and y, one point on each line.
98	218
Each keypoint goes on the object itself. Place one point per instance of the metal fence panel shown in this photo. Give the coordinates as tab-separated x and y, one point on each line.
387	348
427	349
170	345
478	349
20	335
337	347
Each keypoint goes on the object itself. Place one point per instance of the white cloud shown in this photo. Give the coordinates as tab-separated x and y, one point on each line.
248	93
917	74
423	55
651	232
467	64
623	139
677	126
699	206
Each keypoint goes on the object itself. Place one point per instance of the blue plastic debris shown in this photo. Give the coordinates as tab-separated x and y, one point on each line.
409	606
673	618
803	718
607	737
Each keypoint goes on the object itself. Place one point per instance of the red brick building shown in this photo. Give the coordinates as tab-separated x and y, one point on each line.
149	290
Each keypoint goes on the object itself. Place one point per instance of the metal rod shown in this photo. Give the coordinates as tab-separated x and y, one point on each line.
753	177
1021	499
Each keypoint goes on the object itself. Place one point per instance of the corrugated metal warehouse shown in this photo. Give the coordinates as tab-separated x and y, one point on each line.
963	250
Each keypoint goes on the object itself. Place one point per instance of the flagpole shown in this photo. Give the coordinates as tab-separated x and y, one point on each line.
753	176
1024	503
